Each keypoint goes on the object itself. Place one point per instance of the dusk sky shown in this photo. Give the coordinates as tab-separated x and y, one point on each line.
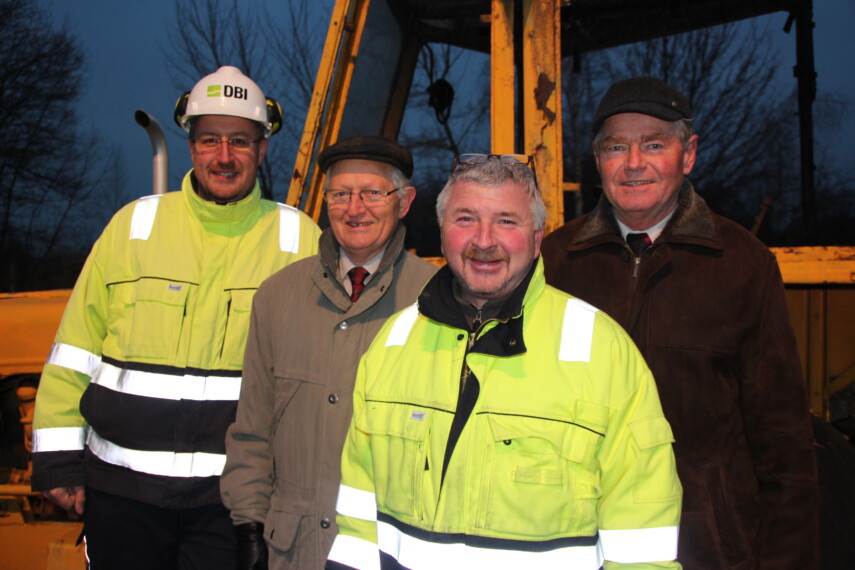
127	70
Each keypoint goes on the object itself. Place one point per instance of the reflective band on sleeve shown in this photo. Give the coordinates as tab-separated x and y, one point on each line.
577	332
355	552
142	219
418	554
403	324
640	545
167	386
356	503
58	439
165	463
74	358
289	229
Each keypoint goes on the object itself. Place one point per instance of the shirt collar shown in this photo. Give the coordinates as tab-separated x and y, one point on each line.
652	232
345	264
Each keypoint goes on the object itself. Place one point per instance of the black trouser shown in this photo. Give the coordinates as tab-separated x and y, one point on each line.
122	534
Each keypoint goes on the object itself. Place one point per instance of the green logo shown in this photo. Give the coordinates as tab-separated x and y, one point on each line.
215	90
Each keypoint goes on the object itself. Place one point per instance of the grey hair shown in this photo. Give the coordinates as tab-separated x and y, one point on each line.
494	173
682	128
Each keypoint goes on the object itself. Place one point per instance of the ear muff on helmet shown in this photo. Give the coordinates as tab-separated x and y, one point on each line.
274	115
181	110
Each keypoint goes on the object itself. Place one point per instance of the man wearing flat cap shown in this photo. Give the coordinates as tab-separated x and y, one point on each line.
309	327
704	301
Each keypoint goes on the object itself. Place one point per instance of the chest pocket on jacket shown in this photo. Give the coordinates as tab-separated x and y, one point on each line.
399	434
147	317
234	342
542	477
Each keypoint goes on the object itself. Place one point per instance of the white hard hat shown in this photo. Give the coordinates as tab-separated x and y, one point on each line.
228	92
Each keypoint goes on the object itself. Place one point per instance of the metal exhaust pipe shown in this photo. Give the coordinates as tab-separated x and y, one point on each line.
160	161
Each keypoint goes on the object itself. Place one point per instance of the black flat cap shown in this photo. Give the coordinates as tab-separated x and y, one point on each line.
377	148
646	95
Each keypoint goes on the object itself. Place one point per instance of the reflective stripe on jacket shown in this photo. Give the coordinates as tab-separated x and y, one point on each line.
145	371
565	460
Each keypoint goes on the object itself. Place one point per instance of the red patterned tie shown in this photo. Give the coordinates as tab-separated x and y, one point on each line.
638	242
357	280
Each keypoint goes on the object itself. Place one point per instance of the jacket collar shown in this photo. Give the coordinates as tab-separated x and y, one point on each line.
692	222
503	334
328	248
244	212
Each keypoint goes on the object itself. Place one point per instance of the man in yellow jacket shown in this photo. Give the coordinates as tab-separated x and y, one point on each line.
144	375
500	423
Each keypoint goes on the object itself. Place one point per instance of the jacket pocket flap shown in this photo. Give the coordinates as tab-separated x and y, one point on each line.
592	416
241	299
651	432
280	526
538	435
396	420
158	290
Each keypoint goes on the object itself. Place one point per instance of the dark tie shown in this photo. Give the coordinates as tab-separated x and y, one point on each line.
638	242
357	280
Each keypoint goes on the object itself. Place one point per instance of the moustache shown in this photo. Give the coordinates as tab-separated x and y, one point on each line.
490	254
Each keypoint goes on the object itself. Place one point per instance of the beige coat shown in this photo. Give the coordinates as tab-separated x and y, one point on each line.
304	345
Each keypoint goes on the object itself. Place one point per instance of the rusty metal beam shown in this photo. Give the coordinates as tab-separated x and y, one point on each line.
812	265
323	118
502	77
541	103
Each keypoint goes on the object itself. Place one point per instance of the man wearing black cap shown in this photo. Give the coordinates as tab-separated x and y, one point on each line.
704	301
308	330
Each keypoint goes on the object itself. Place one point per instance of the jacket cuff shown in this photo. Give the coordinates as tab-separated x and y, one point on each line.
55	469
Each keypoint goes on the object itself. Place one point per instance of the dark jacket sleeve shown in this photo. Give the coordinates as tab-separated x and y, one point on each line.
778	431
55	469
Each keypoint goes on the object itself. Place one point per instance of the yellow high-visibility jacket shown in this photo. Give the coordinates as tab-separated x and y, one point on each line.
536	441
144	375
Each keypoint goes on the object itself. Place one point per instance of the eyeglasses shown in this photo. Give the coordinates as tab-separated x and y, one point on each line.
509	159
368	196
210	142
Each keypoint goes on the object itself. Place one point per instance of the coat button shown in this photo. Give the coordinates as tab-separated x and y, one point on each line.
343	325
460	337
325	523
333	398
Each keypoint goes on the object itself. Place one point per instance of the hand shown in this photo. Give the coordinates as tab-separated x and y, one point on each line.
251	548
68	498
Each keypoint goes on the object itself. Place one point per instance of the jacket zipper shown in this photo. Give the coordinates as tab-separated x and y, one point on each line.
464	373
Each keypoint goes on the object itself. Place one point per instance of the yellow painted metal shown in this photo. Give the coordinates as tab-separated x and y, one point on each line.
30	321
816	264
820	285
502	116
542	101
328	98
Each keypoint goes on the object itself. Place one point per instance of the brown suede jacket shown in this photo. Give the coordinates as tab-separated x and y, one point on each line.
706	306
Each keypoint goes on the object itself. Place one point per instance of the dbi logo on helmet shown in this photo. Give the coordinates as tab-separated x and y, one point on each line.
232	91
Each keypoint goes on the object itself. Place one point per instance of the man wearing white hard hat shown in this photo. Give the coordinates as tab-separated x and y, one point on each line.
145	371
